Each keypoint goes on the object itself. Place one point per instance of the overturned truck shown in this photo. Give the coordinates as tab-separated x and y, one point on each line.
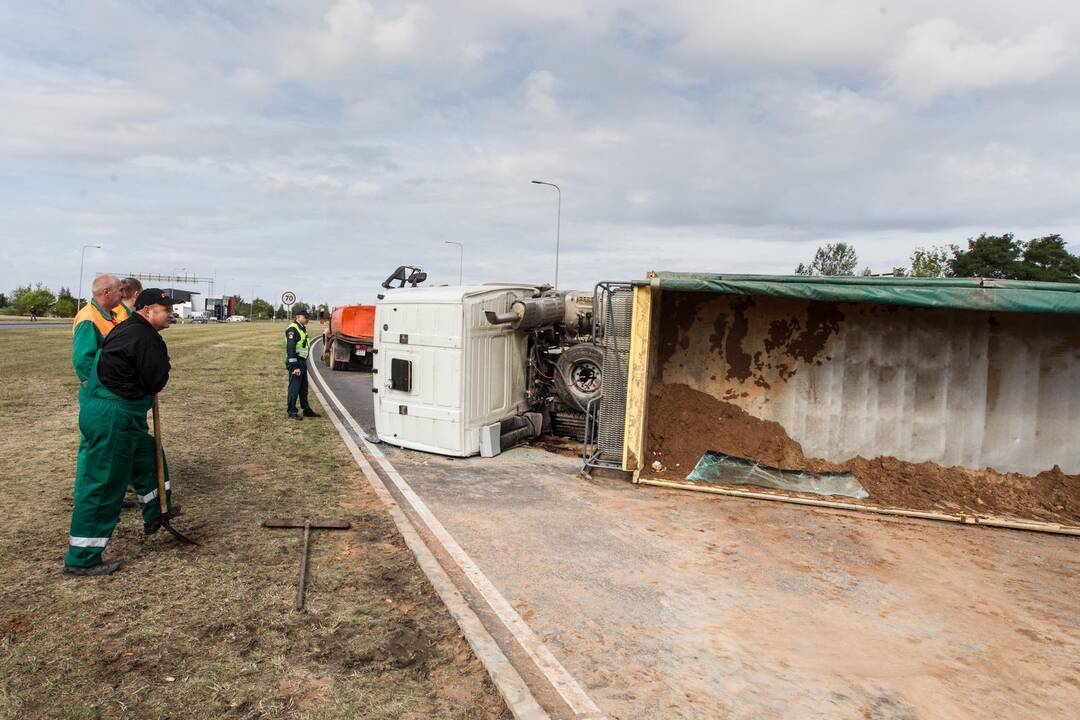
945	397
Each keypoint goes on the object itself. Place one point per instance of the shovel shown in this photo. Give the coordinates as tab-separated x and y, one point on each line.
159	457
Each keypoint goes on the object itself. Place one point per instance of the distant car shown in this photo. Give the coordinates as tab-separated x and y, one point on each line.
237	318
199	320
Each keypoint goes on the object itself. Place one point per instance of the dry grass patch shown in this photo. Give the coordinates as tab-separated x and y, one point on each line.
210	632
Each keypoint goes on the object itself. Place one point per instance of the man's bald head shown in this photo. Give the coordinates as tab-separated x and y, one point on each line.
106	291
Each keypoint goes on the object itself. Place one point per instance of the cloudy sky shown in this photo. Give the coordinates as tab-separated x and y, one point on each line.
315	146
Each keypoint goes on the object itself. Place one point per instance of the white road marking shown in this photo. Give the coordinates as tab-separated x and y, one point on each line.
563	682
513	689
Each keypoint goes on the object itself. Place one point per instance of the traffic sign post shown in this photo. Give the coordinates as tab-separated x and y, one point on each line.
288	299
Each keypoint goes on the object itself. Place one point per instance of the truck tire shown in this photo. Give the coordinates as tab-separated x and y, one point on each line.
334	363
579	375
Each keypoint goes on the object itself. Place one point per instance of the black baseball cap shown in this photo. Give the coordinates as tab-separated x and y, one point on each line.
305	313
154	296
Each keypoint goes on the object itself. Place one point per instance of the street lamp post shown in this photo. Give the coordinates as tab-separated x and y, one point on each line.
461	258
82	261
558	224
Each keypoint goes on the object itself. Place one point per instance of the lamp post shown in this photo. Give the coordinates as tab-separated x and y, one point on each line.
558	223
82	261
461	258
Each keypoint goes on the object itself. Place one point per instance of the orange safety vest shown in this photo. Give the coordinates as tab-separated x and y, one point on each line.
122	312
92	311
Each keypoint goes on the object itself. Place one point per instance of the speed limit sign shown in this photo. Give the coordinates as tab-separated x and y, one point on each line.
288	297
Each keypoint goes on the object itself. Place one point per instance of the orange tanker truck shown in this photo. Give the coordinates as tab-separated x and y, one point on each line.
349	339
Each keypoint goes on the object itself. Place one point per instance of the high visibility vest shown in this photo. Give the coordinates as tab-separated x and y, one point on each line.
303	343
123	312
96	314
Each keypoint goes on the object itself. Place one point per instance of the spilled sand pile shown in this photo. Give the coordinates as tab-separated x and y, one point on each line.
685	423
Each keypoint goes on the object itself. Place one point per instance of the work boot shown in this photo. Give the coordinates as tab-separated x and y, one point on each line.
128	504
154	525
295	417
310	413
94	571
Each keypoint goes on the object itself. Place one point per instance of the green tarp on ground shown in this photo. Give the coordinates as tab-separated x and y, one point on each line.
955	293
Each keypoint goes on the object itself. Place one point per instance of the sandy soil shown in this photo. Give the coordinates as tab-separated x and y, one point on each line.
684	423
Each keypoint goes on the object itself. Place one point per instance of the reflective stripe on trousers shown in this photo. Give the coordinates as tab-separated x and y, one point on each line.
153	495
87	542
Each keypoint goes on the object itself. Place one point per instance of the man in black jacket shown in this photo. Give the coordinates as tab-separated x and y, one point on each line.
117	450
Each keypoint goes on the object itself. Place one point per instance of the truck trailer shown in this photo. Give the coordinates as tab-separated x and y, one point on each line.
349	339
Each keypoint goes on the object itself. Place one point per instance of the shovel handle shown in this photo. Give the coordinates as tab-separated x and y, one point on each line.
159	459
303	567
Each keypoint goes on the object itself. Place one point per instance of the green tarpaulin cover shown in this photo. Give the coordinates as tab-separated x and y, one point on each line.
956	293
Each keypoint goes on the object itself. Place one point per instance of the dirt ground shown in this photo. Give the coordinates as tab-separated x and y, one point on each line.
684	423
210	632
679	605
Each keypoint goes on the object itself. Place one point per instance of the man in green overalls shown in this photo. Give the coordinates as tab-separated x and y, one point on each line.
117	449
297	344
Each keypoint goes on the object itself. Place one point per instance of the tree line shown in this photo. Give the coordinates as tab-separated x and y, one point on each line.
63	304
40	298
1003	257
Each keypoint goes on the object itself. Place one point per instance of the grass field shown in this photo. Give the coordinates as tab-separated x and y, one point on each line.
210	632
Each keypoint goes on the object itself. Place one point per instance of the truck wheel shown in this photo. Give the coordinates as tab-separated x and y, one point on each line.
579	375
330	359
335	356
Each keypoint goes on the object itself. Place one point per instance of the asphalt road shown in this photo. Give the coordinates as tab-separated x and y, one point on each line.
353	389
26	324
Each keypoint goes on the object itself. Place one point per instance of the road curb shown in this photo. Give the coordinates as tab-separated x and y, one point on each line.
513	689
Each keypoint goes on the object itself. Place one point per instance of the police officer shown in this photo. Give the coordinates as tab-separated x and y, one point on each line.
297	344
117	448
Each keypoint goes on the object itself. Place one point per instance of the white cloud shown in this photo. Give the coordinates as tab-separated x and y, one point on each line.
400	36
811	33
939	57
709	134
539	89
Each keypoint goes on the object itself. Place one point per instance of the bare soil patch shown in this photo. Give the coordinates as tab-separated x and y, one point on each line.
684	423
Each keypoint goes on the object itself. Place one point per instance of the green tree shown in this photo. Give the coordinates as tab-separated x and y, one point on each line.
831	259
66	305
39	297
3	300
1003	256
261	309
989	256
931	262
1048	259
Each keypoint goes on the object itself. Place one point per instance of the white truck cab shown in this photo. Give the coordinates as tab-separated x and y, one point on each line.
442	371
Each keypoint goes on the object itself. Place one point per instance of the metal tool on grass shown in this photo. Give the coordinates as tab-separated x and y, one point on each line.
159	457
308	525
